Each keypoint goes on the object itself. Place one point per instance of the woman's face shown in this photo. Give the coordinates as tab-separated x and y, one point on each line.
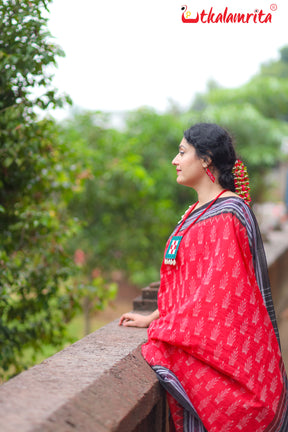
190	169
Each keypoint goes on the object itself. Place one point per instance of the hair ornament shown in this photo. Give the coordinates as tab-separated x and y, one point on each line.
241	181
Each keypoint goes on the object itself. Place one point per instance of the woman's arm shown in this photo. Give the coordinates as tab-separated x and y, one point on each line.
137	320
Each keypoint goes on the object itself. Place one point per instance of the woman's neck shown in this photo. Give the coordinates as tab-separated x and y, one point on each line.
208	194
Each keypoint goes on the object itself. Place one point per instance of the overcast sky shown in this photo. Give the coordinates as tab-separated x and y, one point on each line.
123	54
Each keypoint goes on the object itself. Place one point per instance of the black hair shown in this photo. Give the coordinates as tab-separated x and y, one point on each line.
215	143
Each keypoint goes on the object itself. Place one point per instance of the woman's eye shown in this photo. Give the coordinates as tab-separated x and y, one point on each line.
181	153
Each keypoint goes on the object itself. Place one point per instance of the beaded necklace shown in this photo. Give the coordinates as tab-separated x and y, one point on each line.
171	253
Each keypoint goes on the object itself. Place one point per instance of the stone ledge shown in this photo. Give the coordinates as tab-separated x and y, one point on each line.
99	383
276	248
276	244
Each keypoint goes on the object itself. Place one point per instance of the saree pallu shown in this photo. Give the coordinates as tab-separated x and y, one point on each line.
217	332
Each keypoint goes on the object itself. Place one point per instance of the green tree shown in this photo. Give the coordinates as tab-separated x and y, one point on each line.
267	91
269	95
131	200
35	303
277	68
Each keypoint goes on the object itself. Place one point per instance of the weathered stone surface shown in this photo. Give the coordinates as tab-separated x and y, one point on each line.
100	383
150	293
147	301
276	249
140	304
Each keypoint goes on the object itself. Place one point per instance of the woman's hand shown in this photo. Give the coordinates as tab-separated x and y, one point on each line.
131	319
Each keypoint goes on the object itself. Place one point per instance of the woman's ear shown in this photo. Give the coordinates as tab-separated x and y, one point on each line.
206	162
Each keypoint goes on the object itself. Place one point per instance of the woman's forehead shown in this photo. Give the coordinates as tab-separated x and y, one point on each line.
184	143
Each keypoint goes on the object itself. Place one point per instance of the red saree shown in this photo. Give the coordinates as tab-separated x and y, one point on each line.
217	331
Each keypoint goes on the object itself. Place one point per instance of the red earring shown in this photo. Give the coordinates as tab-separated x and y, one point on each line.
210	175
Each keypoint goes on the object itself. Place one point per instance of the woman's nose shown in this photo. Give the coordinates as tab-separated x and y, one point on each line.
174	161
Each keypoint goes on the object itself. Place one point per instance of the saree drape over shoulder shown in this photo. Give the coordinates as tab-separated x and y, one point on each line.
215	346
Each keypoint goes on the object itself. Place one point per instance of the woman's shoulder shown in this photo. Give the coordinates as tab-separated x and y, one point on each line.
237	207
238	213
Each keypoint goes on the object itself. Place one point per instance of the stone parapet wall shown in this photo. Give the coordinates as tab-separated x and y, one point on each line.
101	383
276	249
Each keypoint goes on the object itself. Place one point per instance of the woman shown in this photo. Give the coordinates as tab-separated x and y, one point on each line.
213	341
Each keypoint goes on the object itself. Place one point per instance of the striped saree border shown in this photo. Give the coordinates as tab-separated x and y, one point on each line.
172	385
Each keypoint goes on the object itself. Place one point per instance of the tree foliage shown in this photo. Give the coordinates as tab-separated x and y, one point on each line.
130	202
34	186
278	68
268	95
